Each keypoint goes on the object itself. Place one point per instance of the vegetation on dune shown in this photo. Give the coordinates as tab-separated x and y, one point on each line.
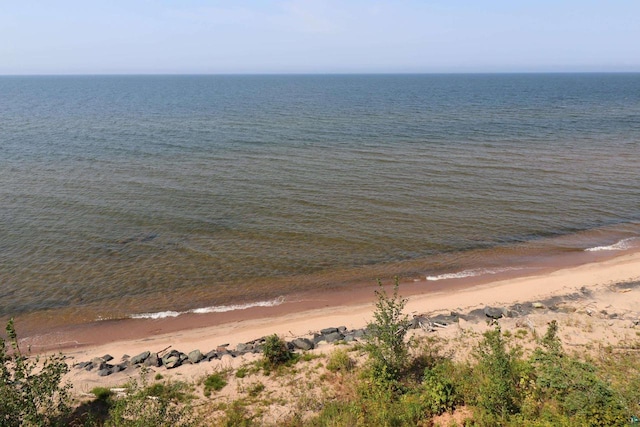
387	382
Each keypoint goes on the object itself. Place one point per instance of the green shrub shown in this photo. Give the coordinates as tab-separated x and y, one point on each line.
276	351
438	389
142	406
340	361
385	334
241	372
102	393
31	392
574	385
497	387
214	382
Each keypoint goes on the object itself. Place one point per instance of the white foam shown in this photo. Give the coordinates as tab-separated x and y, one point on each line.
618	246
471	273
225	308
213	309
158	315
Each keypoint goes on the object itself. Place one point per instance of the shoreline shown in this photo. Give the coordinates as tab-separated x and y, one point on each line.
131	335
516	283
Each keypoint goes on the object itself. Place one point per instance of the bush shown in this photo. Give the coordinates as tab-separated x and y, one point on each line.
215	382
150	406
574	385
31	393
385	335
498	377
276	351
340	361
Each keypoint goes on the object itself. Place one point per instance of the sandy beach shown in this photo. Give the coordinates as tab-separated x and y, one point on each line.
594	279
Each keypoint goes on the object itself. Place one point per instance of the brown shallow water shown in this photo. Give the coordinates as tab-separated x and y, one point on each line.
43	335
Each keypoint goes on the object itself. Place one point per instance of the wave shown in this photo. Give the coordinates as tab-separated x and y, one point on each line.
618	246
472	273
213	309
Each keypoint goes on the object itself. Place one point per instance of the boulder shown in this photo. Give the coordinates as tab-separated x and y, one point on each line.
140	357
302	344
493	312
153	360
333	336
195	356
327	331
107	357
342	329
244	348
211	355
171	359
104	372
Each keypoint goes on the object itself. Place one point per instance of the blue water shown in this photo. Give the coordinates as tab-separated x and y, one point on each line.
129	194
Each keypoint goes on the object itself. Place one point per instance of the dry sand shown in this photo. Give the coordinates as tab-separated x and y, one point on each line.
601	300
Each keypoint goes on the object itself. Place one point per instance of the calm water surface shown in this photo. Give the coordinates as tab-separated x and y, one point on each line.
140	194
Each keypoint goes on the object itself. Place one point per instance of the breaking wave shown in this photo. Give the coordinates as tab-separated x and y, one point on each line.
618	246
213	309
472	273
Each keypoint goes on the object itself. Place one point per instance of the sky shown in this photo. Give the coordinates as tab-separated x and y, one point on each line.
313	36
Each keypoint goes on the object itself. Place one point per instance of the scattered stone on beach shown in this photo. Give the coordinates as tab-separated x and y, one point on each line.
493	312
195	356
104	372
171	360
153	360
327	331
302	344
107	357
332	337
140	357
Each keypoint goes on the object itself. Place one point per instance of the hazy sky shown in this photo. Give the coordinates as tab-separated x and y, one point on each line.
313	36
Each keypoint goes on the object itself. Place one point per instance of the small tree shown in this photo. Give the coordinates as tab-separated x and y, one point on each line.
386	345
30	392
497	391
275	350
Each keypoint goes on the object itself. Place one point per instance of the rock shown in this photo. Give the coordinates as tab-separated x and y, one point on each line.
349	337
358	333
122	366
104	372
493	312
171	359
140	358
211	355
334	336
342	329
195	356
153	360
89	366
537	305
244	348
327	331
171	362
222	348
104	365
107	357
302	343
81	365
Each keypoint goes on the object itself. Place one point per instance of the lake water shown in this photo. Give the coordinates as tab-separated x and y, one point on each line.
130	195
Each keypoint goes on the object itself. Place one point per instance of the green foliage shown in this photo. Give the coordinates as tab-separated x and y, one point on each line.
31	392
214	382
157	405
256	389
276	351
340	361
497	386
242	372
237	415
102	393
438	388
385	337
574	385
